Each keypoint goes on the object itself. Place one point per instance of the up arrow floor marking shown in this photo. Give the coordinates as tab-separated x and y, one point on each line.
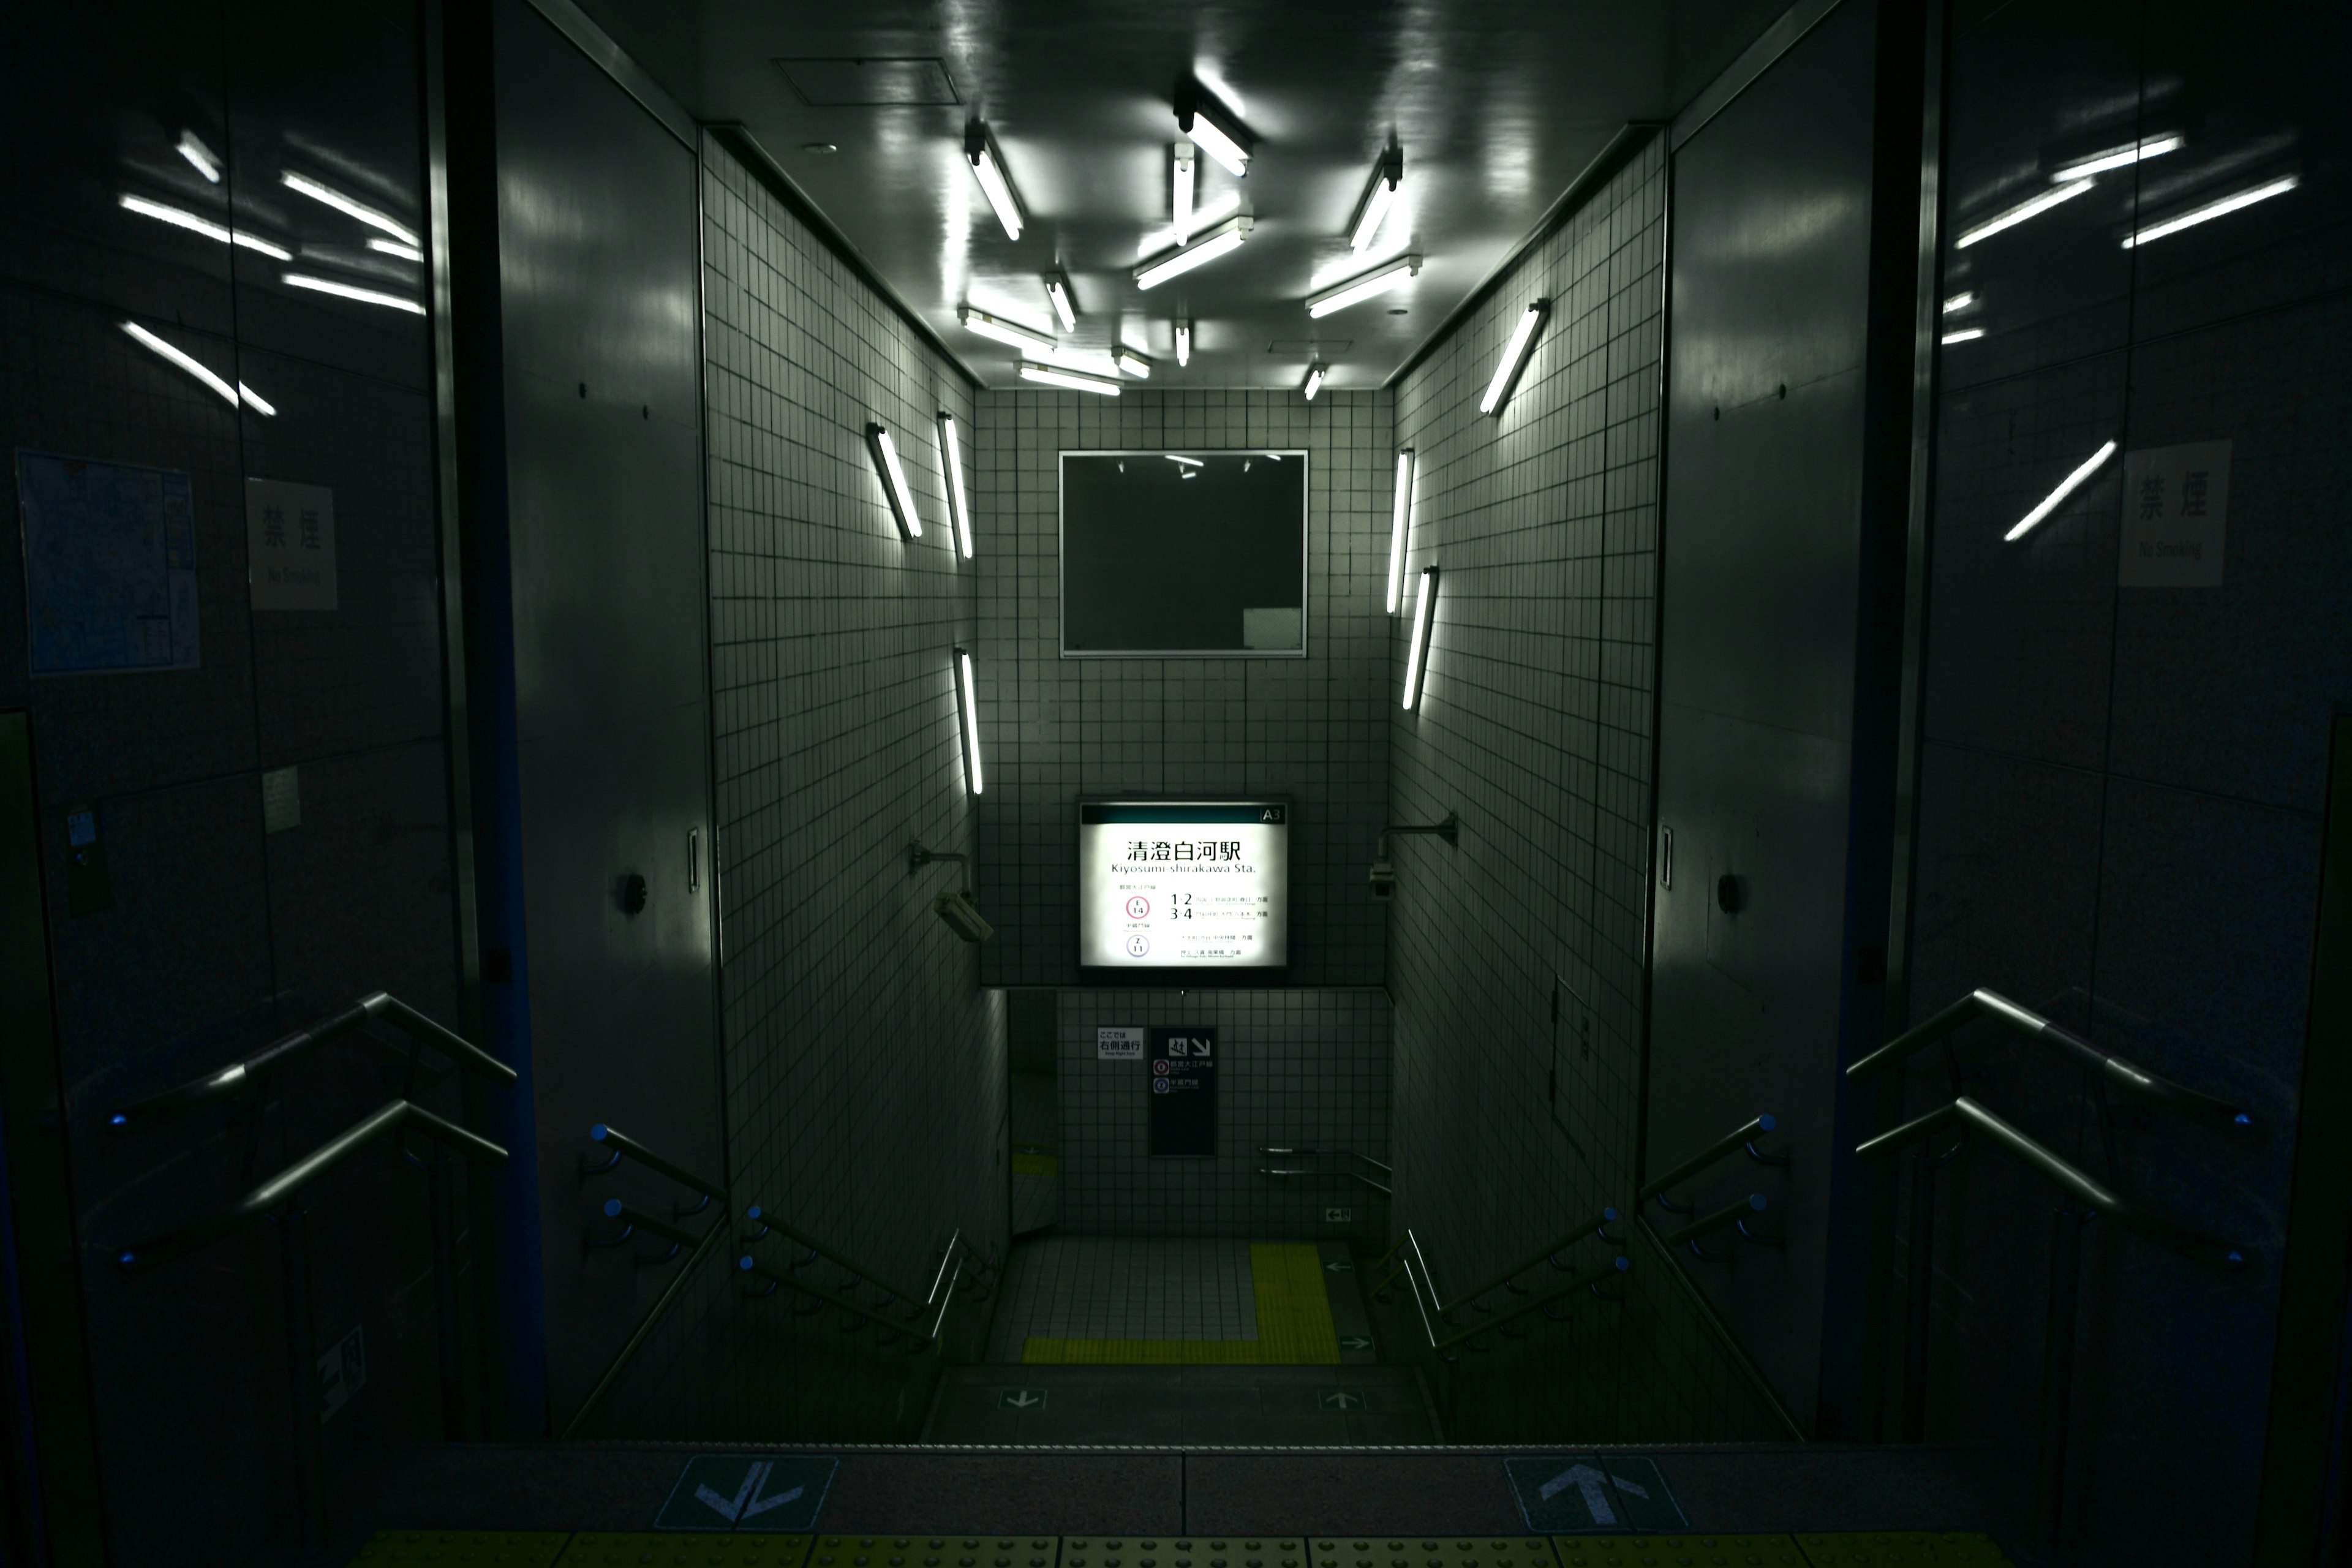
1594	1486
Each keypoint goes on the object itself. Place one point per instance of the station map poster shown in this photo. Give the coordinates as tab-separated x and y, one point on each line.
1184	884
110	565
1183	1119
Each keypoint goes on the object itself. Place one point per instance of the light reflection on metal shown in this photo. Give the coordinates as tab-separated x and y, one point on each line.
179	217
1960	301
200	157
395	247
327	195
1965	335
232	395
352	291
2020	212
2213	210
2057	497
2116	158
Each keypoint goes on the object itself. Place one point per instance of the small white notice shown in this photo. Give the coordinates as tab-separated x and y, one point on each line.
281	799
1118	1045
289	531
342	1373
2175	515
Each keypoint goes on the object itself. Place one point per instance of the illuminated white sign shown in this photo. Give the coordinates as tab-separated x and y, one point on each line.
1184	884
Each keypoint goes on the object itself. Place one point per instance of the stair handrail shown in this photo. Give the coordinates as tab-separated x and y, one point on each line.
1414	1267
623	1145
2124	1074
1277	1151
381	1005
1407	1249
287	1183
753	1214
2193	1245
936	1302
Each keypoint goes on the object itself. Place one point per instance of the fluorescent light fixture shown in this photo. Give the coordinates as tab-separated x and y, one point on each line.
1416	651
894	481
1212	133
1181	198
1515	354
351	291
351	205
1314	382
1194	462
179	217
2057	497
1068	380
968	704
1965	335
1222	240
395	247
1134	363
1205	214
232	395
952	465
1387	175
201	157
1184	343
1370	286
988	168
1960	301
1057	290
1397	527
2213	210
1005	332
2020	212
2115	158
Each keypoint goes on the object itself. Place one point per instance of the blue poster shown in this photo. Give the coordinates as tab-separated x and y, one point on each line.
110	565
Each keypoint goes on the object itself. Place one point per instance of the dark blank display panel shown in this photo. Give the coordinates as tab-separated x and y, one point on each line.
1190	552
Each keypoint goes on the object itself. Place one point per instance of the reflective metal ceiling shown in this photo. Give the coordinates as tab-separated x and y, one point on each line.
1496	106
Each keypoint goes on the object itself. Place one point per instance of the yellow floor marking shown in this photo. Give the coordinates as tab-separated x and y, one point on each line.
1036	1165
1294	1325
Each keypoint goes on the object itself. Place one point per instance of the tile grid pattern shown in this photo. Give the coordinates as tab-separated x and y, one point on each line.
1535	724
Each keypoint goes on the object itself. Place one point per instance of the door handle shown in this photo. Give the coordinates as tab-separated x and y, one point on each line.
1667	859
694	859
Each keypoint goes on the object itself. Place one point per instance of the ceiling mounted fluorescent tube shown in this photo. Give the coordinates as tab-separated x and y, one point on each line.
1416	649
1212	133
988	168
968	703
951	464
1134	363
2057	497
179	217
1181	196
1398	524
2116	158
2020	212
1515	354
351	291
1189	462
329	196
894	481
1057	290
1314	382
1069	380
1387	175
1370	286
1005	332
2213	210
1222	240
1184	343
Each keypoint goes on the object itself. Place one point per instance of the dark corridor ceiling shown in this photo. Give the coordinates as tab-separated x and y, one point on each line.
1496	106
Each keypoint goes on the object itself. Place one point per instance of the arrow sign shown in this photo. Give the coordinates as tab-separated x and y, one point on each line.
1581	1494
1342	1399
1354	1343
1022	1399
1339	1265
723	1492
1595	1487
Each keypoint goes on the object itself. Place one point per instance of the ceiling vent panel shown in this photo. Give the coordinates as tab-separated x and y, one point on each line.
874	82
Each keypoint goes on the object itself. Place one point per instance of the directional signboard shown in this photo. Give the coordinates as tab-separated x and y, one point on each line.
1183	1091
1583	1494
746	1491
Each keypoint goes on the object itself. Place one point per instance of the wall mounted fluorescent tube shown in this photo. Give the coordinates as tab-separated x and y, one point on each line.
1387	175
1193	462
2115	158
1184	343
179	217
200	157
2057	497
354	208
1960	301
395	247
2213	210
1222	240
1005	332
2020	212
1371	284
1965	335
952	465
1068	380
894	481
1212	133
232	395
1181	196
1134	363
1515	354
351	291
1314	382
968	707
1057	290
988	168
1398	524
1416	651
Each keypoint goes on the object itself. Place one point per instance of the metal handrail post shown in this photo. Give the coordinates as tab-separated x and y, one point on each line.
302	1377
441	1198
2057	1374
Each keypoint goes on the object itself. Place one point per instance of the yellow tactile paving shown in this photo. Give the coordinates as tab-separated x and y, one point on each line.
1190	1551
461	1549
673	1548
935	1552
1294	1325
1428	1551
1692	1551
1904	1549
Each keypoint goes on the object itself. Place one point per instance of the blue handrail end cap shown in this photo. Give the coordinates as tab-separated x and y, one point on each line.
744	1261
612	1208
2236	1257
128	1259
1623	1263
2242	1119
596	1134
752	1212
119	1119
1607	1215
1766	1121
1756	1203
